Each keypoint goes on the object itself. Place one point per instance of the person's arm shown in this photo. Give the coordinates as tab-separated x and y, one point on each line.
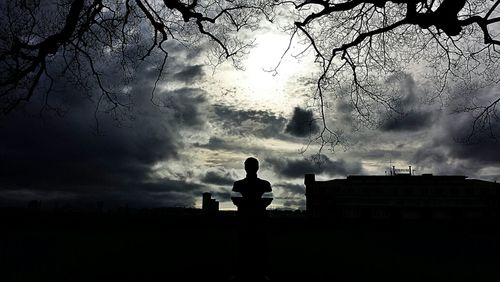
268	192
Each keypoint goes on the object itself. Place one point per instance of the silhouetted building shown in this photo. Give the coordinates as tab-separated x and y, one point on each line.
208	204
403	197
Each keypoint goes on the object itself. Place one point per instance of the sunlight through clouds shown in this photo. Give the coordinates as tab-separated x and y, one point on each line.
135	126
268	81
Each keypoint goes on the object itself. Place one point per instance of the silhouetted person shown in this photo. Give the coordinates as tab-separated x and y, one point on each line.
252	245
252	188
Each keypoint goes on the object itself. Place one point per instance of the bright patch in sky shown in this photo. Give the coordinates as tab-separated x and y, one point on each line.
266	83
261	79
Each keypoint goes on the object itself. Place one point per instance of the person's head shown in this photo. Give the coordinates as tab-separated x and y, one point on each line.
251	165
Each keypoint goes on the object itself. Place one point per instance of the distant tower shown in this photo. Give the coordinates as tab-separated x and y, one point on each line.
208	204
205	204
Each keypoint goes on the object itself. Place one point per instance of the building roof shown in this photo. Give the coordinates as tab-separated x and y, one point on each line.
401	179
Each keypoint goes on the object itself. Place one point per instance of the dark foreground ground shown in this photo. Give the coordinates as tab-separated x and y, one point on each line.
123	247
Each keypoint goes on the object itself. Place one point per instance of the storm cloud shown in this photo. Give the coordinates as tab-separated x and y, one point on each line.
410	121
302	123
296	168
457	145
50	157
408	113
218	177
166	148
458	141
238	122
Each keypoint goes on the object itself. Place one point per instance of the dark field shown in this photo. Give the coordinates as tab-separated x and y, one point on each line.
99	247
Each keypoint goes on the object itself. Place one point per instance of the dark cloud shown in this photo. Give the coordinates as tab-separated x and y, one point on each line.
486	152
410	121
408	113
430	155
470	141
55	156
189	74
249	122
453	150
165	192
482	147
218	177
345	114
380	153
185	105
302	123
296	168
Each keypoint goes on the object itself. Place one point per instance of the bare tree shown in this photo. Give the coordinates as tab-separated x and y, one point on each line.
358	45
41	41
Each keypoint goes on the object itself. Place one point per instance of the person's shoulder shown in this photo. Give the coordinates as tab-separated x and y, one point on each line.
237	184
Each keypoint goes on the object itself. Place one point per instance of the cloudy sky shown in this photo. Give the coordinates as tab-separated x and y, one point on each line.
194	133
